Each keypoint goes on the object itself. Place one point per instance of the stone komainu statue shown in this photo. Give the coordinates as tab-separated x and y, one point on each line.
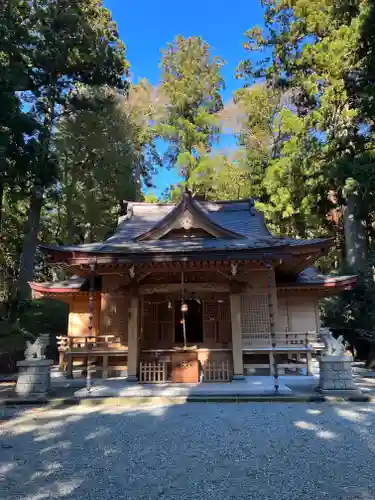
36	350
333	347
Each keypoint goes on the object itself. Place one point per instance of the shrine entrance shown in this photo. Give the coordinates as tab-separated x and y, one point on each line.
193	318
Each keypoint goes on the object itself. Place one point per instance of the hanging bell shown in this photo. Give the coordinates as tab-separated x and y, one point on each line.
184	307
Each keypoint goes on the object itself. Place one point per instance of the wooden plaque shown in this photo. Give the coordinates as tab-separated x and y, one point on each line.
185	367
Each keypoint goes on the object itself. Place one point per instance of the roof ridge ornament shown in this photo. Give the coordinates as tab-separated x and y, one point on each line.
130	210
128	214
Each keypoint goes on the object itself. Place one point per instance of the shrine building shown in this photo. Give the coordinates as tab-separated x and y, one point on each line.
188	292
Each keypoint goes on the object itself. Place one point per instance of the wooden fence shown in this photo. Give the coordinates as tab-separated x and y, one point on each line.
217	371
153	372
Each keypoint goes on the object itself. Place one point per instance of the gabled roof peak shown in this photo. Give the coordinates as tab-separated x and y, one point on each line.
188	213
238	218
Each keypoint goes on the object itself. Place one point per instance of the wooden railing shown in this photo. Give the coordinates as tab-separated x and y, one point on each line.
153	372
302	340
217	371
100	342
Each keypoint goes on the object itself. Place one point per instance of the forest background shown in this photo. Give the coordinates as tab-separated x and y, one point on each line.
78	134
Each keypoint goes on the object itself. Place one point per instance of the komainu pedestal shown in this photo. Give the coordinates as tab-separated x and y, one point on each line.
34	379
336	373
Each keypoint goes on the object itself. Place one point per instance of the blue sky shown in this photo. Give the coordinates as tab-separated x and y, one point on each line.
147	26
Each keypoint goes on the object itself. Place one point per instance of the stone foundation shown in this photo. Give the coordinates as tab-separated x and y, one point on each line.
336	373
34	377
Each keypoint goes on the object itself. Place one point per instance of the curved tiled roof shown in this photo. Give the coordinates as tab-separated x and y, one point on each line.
240	227
140	218
184	245
235	216
311	275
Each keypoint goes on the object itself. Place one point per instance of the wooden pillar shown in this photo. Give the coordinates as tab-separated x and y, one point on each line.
235	311
69	367
92	266
105	366
133	340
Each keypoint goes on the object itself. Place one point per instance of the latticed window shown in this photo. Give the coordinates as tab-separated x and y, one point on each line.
255	313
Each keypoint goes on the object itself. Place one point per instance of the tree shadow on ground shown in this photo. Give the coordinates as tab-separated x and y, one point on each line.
195	450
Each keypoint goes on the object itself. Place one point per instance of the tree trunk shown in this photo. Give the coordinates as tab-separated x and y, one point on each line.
138	183
36	202
29	245
355	233
300	226
69	183
88	237
69	218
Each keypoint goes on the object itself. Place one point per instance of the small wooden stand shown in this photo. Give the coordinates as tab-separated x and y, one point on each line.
185	367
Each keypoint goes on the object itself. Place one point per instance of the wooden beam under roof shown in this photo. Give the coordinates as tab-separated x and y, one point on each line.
167	267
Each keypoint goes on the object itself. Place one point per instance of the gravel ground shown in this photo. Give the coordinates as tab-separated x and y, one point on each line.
192	451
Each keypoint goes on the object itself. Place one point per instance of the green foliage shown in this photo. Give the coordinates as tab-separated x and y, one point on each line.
151	197
38	316
217	177
16	153
49	51
76	137
316	60
11	235
353	312
72	43
44	316
96	156
13	337
191	84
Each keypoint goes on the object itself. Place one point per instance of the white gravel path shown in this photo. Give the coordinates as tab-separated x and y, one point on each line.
192	451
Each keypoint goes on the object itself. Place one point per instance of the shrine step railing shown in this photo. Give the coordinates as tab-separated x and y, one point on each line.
99	342
291	340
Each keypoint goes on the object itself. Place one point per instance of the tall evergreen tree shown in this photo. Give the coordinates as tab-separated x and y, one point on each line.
18	148
144	106
191	83
320	54
97	158
16	152
73	43
311	52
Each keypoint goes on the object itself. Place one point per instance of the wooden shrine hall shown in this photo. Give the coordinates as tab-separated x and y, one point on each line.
188	292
